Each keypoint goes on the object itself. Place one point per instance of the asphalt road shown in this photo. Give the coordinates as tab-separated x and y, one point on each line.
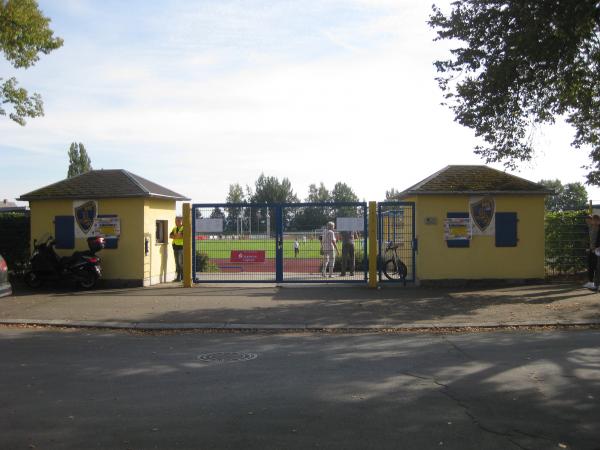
502	390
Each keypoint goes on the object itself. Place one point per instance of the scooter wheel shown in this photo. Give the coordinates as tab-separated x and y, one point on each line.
32	280
88	279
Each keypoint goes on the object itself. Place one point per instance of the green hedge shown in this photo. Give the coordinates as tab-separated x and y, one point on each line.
14	237
203	263
567	241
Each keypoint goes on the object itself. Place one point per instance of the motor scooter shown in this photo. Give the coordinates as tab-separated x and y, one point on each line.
82	267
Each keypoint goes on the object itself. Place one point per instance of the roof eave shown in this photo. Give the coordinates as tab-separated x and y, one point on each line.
478	192
27	198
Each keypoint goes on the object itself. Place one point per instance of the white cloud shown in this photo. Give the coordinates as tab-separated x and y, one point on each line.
198	118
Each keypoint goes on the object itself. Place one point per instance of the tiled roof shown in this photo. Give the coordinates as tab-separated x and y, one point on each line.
475	180
103	184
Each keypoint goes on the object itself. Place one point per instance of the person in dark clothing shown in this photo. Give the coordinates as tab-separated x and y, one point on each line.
348	252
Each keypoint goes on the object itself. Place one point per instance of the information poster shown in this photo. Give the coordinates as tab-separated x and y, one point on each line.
457	229
107	226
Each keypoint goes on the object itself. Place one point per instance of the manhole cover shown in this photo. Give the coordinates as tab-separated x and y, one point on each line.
226	356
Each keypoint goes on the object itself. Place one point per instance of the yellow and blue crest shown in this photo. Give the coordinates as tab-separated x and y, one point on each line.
482	212
85	215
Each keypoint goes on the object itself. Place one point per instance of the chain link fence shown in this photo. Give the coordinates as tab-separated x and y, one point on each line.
567	244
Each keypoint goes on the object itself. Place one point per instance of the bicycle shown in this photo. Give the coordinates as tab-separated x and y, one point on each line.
394	268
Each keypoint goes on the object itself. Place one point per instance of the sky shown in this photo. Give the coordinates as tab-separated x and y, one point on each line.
197	95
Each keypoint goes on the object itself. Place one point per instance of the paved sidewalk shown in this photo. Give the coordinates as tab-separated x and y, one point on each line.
305	307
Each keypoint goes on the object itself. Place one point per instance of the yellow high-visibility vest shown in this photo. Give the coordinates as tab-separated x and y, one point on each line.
177	230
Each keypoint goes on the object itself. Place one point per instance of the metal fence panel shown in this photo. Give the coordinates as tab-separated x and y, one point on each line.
277	242
567	242
396	227
233	242
303	230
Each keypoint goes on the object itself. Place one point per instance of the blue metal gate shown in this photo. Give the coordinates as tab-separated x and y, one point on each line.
279	242
396	236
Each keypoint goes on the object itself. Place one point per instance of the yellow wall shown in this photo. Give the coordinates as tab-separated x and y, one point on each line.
137	217
482	260
159	264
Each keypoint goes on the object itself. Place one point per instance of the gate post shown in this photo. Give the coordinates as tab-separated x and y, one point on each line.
372	244
187	245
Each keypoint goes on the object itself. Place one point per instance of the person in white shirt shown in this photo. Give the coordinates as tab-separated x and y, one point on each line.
296	248
329	249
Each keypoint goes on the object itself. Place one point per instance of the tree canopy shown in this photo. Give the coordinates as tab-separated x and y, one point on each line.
568	197
79	161
393	195
24	35
318	194
518	64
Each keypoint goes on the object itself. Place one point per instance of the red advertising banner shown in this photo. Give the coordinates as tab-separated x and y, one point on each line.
247	256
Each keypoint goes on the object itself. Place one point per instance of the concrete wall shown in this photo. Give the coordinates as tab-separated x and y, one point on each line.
482	260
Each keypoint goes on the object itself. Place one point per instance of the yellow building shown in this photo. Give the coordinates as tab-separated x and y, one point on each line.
475	222
135	216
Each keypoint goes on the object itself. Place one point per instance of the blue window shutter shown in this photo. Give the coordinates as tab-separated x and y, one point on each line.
111	243
64	231
506	229
456	243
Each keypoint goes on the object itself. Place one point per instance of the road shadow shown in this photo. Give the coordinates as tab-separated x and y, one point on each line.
117	390
342	305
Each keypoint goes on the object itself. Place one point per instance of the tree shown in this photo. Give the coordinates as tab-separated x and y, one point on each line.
24	34
518	64
271	190
393	195
79	161
568	197
313	217
235	195
318	194
343	193
217	213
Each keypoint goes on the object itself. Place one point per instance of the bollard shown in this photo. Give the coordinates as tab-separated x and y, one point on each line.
372	244
187	245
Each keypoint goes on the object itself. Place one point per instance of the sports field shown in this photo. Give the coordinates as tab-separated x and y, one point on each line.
221	249
223	262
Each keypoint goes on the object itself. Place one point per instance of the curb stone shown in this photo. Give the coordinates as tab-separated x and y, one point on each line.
154	326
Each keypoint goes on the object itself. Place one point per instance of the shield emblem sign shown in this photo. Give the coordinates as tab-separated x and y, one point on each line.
85	215
482	212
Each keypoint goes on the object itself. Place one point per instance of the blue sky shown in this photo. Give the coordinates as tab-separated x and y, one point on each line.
196	95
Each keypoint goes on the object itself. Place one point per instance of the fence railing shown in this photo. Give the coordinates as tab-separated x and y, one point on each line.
567	242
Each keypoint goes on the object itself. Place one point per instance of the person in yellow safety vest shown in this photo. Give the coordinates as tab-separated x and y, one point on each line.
177	236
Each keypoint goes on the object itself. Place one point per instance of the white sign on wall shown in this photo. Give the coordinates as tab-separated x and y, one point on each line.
209	225
457	229
107	226
350	223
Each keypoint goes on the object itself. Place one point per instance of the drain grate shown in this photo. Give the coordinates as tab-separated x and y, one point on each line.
226	356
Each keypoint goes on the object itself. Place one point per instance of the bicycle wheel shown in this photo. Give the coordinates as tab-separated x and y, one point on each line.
395	271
